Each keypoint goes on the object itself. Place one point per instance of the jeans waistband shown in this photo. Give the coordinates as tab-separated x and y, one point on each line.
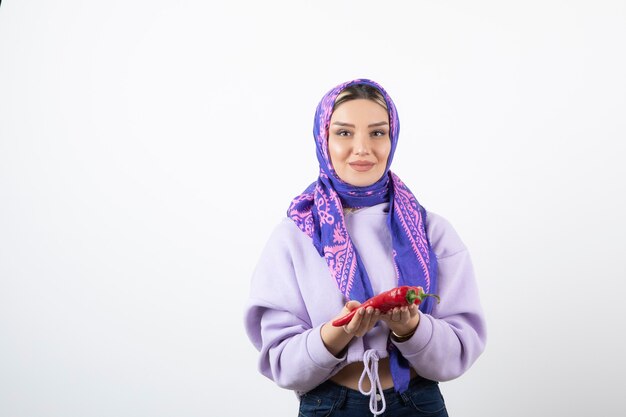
330	389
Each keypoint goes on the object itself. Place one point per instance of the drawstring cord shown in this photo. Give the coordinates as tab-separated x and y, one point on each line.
372	374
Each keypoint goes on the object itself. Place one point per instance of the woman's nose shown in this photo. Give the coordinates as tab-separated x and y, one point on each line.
361	144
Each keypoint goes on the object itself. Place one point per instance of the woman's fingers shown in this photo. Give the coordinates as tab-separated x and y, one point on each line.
350	305
370	317
363	321
365	318
355	323
402	320
397	314
400	314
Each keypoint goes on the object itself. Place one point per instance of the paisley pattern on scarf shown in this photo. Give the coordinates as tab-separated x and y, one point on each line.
408	213
318	212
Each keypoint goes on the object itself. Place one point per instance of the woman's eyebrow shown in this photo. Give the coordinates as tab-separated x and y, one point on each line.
378	124
370	125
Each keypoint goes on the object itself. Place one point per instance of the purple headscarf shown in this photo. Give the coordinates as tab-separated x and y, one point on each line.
318	212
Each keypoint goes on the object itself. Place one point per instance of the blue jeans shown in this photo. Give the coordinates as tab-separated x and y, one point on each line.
423	398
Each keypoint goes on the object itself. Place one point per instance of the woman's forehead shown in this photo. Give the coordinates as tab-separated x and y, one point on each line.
361	109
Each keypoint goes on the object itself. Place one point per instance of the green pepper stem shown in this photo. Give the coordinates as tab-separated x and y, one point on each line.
411	296
424	295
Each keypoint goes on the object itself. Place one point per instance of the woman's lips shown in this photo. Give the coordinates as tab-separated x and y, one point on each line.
361	166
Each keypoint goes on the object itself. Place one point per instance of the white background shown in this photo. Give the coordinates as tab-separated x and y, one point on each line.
148	148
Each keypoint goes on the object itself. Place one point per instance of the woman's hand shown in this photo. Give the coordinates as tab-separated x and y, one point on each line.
402	320
337	338
363	321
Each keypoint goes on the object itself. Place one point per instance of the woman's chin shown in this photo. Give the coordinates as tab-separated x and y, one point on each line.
360	181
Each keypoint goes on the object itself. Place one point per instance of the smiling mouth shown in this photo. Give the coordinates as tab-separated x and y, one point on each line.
361	166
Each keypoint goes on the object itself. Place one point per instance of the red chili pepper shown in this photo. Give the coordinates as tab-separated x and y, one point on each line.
388	300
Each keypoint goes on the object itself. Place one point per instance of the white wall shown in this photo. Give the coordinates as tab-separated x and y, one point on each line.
147	149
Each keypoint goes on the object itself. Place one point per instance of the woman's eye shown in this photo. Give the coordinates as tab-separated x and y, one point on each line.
343	133
378	133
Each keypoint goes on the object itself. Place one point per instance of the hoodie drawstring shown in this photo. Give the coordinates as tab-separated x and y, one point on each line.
370	368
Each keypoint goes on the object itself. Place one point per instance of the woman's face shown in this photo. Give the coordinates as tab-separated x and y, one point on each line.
358	141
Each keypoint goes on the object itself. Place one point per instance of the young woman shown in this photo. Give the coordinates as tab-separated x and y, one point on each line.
355	232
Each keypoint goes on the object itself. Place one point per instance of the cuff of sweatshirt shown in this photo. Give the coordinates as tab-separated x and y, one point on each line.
420	338
318	352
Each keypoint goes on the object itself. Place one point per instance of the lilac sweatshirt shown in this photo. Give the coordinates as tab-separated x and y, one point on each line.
293	295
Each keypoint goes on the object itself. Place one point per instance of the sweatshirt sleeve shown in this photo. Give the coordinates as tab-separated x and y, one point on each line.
292	353
449	340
